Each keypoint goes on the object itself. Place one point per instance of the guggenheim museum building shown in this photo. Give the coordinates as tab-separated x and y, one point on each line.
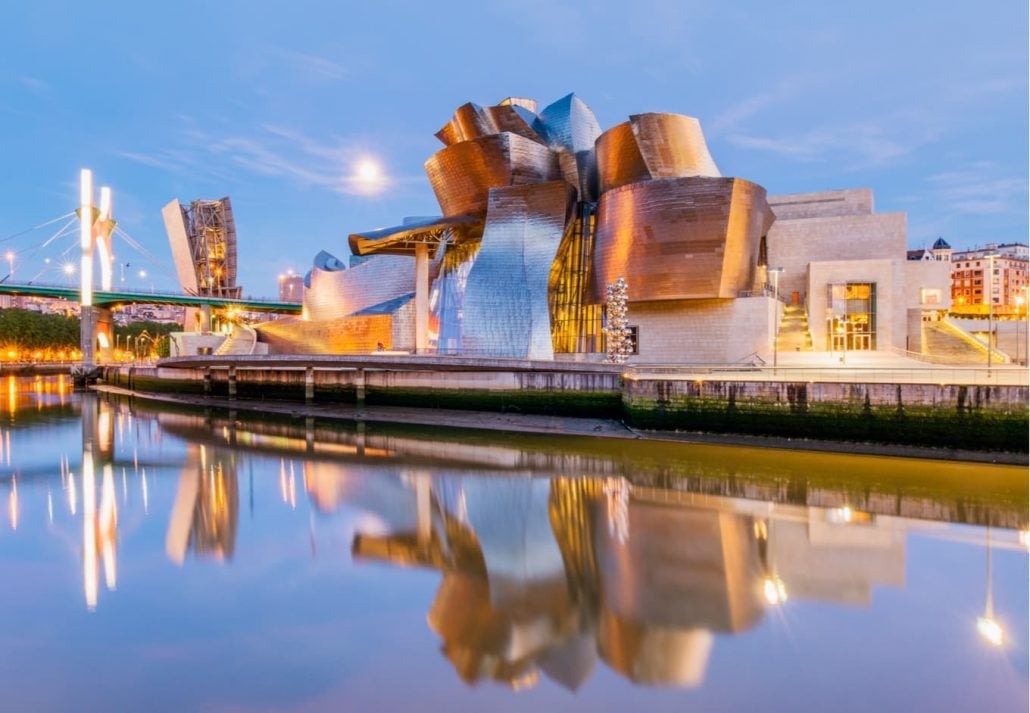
540	210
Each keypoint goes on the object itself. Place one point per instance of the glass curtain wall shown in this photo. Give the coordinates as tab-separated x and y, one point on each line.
851	324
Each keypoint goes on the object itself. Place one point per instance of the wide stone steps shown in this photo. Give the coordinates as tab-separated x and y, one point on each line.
941	340
240	342
794	335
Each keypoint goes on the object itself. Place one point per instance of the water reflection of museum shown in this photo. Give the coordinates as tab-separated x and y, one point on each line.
548	574
545	575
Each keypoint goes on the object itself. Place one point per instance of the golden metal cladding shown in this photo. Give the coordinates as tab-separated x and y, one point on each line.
339	335
471	121
463	174
651	146
672	145
680	238
618	158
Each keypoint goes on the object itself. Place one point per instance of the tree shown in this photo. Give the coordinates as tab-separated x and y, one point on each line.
617	332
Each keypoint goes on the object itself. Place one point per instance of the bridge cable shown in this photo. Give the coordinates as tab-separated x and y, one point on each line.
37	227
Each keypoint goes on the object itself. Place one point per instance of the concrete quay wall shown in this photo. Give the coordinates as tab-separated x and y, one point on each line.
948	416
944	416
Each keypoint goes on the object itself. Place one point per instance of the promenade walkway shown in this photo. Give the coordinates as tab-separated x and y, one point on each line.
853	367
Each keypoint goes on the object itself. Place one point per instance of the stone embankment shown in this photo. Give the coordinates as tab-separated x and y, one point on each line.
875	409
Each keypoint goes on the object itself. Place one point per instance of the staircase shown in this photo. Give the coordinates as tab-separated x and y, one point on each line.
793	335
945	343
241	341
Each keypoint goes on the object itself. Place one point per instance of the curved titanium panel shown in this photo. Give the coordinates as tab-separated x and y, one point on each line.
618	158
472	121
506	300
335	293
328	262
672	146
571	125
463	174
468	122
680	238
514	119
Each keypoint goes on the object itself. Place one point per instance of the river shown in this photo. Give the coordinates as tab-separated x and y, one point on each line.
166	560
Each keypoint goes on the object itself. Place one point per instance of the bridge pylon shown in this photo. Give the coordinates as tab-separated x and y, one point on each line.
95	229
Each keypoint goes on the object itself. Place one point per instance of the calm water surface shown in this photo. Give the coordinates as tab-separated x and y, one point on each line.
171	561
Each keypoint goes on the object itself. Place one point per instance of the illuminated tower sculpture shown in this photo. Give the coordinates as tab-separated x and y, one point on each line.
95	228
203	242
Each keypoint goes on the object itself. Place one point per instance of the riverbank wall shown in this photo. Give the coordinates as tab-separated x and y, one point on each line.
960	416
15	368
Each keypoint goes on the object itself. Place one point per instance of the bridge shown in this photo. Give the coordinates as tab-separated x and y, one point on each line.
113	298
96	227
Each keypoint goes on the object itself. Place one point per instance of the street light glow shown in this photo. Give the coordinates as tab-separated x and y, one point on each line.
69	268
990	630
774	590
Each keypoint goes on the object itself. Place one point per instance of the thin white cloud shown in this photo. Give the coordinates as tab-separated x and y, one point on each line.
852	146
978	189
34	84
273	151
313	67
737	114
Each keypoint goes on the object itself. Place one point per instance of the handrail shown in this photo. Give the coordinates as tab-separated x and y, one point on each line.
976	341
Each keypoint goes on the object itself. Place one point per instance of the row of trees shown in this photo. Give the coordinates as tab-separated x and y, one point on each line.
45	335
25	329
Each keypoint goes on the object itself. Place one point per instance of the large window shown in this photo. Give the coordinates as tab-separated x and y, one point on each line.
851	316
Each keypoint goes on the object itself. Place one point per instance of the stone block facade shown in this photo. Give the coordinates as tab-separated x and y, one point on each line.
815	227
703	331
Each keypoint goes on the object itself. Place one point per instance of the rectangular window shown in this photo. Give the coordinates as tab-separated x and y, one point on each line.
634	340
929	296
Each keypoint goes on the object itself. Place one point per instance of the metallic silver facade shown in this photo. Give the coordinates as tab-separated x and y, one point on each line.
570	127
506	299
336	293
540	212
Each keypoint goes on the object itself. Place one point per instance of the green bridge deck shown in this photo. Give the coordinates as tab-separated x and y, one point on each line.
116	297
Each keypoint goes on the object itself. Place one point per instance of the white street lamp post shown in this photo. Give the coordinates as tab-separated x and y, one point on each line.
775	272
989	287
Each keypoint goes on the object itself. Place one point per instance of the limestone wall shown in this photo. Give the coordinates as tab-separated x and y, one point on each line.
703	331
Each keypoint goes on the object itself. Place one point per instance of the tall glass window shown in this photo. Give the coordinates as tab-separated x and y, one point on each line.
851	318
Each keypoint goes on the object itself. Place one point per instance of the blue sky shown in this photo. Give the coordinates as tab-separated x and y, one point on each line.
273	103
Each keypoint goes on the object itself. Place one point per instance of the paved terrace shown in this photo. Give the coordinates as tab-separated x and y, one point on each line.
867	367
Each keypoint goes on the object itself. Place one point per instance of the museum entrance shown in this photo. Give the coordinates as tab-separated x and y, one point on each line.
851	322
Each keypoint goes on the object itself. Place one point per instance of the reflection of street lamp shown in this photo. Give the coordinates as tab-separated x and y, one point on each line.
9	256
775	272
774	591
987	625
